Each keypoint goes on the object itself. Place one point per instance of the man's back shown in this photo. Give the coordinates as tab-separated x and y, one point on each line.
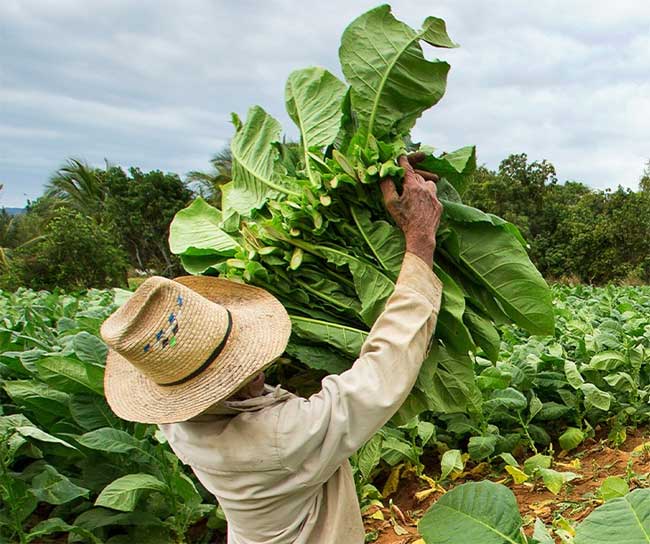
278	463
234	452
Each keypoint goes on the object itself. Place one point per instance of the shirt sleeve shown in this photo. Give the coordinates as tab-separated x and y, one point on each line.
318	434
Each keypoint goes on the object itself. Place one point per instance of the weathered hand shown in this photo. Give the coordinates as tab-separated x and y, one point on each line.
417	210
417	157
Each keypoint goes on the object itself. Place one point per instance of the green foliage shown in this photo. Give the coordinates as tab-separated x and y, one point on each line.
574	231
486	512
64	456
307	221
475	512
66	448
595	370
73	253
209	184
139	206
78	184
114	219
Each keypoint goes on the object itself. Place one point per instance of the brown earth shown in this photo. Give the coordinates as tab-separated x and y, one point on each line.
594	461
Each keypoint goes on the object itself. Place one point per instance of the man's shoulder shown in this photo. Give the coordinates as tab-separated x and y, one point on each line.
237	438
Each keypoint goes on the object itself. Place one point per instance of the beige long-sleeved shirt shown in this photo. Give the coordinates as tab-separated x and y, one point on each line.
278	464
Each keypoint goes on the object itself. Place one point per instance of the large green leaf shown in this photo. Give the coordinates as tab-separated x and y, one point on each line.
315	282
201	264
71	374
54	488
341	337
25	502
372	286
57	525
613	487
450	326
624	521
46	402
484	333
447	380
480	447
454	167
123	493
114	441
369	456
319	357
385	241
595	397
196	230
96	518
541	534
482	512
496	258
255	178
313	98
37	434
392	83
91	412
90	348
452	460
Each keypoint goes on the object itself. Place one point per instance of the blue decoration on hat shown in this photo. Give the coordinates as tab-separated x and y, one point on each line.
166	337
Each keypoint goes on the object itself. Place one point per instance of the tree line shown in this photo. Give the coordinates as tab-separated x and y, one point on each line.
96	227
575	233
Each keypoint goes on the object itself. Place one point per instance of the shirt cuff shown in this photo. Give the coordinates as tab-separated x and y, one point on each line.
417	275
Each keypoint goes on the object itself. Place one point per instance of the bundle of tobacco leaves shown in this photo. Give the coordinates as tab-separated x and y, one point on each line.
307	222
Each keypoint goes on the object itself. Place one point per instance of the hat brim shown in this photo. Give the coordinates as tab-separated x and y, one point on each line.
260	331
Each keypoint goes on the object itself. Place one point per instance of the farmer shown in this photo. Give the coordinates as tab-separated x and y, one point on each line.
189	355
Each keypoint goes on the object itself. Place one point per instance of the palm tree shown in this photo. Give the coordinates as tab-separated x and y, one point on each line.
78	184
210	183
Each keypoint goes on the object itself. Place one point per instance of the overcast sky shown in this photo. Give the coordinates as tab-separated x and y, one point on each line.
151	83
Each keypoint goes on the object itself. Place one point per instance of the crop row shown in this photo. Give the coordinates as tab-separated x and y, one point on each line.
68	464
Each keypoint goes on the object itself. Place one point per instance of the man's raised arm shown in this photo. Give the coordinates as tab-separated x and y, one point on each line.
324	430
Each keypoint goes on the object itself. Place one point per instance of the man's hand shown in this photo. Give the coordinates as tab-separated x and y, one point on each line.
417	210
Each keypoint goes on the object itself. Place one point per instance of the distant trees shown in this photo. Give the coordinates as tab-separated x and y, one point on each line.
136	206
93	225
127	213
74	252
209	184
596	236
79	186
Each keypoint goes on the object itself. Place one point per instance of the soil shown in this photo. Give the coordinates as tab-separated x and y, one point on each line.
594	461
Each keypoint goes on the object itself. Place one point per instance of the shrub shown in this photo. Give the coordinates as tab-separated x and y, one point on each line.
74	253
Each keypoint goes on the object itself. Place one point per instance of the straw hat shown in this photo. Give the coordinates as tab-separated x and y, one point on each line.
179	346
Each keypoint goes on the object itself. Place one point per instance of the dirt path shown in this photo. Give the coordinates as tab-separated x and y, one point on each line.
594	462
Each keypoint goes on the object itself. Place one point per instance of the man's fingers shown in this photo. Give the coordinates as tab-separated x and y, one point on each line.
417	157
433	189
408	169
389	191
428	175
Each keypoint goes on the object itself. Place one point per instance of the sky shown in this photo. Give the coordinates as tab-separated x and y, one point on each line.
152	83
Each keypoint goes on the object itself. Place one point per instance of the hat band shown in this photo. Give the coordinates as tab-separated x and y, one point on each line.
217	351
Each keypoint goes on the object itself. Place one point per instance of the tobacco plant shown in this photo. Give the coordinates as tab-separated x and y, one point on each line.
306	221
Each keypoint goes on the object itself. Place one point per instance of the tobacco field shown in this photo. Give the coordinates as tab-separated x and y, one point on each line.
528	422
71	471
